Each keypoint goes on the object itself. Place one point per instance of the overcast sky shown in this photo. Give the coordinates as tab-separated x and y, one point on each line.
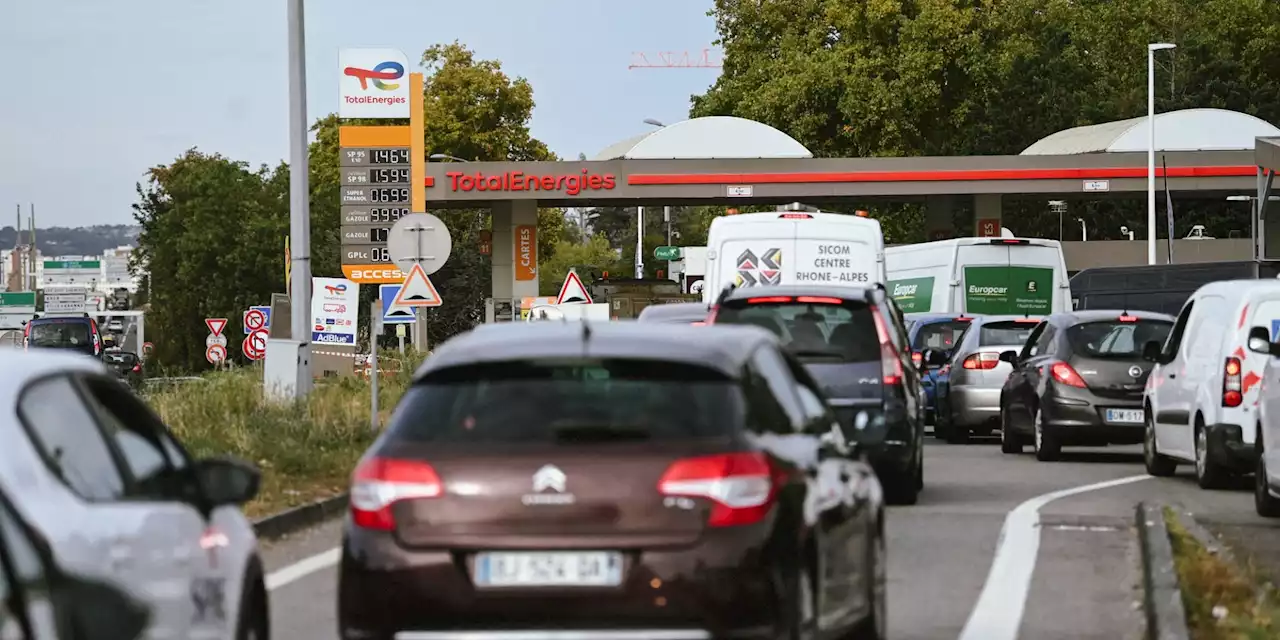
96	92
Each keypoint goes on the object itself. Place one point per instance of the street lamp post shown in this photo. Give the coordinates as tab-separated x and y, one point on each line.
1084	231
299	200
1151	147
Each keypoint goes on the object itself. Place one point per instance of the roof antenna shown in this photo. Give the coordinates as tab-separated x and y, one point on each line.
1126	303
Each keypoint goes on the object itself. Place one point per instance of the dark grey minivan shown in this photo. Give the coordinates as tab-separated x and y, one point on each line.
853	342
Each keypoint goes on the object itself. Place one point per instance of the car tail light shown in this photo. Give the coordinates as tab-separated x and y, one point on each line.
1027	320
964	319
379	483
982	361
1128	318
917	358
818	300
769	300
1010	241
1231	386
711	315
796	216
741	486
1063	373
890	365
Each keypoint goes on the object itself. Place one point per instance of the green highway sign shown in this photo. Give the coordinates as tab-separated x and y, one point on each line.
666	253
18	299
72	264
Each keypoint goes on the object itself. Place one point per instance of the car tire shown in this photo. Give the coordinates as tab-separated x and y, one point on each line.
941	423
1158	465
254	621
1267	505
1047	447
957	434
900	488
1009	441
802	618
874	625
1208	474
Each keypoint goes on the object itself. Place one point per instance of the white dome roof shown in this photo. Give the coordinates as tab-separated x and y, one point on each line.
706	138
1185	130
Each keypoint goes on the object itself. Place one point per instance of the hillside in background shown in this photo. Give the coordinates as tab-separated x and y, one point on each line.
75	241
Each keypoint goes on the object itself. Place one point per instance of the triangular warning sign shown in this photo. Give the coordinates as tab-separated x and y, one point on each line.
398	313
417	291
573	291
216	325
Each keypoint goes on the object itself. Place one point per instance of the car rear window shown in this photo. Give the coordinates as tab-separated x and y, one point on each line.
825	329
60	333
1116	339
568	401
939	335
1005	333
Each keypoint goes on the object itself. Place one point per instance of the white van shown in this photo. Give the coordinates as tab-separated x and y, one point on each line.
979	276
791	247
1201	398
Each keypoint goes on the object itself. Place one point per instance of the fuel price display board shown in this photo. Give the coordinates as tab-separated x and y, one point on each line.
376	192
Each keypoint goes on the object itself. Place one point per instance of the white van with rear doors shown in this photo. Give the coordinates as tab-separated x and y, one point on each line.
979	276
792	247
1201	399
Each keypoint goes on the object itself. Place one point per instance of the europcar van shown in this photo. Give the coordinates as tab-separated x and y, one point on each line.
1202	395
979	276
793	247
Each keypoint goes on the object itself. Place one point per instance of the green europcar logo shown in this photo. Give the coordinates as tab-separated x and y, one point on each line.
912	294
1003	290
975	290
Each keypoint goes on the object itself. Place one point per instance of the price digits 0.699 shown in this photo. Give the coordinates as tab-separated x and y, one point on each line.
390	156
387	214
389	194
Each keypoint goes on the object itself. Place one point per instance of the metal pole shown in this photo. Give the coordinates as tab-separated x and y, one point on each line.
1151	156
666	219
375	327
299	197
639	243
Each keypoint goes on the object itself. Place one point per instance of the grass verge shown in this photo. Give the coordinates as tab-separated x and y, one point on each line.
306	451
1247	607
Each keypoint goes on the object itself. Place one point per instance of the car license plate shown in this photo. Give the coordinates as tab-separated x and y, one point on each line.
1125	416
548	569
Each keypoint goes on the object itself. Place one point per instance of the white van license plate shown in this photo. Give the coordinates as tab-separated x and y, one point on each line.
548	569
1124	416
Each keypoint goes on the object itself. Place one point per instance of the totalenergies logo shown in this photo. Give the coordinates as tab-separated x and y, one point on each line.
388	70
335	289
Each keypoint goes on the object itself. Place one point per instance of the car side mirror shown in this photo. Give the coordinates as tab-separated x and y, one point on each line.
1009	356
1151	351
1260	341
226	480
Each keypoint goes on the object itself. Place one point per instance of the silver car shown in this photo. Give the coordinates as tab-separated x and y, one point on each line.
969	404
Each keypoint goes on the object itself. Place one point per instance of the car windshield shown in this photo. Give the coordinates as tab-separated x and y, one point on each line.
1005	332
1116	339
844	332
939	335
60	334
564	401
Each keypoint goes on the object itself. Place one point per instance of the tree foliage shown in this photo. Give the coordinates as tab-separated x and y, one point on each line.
212	229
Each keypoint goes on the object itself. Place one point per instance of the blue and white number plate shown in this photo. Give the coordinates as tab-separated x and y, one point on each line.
548	569
1124	416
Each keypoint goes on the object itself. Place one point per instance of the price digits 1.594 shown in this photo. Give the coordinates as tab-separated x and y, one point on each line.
388	176
390	156
387	214
389	194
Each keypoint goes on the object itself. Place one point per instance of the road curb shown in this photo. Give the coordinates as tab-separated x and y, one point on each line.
1162	597
298	518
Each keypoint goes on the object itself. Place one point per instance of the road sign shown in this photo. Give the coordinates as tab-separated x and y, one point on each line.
391	312
262	312
419	238
216	325
217	339
215	353
147	348
572	290
666	253
65	299
376	192
254	346
418	290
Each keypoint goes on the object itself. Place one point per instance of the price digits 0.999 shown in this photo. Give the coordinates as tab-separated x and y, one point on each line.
387	214
388	176
390	156
389	194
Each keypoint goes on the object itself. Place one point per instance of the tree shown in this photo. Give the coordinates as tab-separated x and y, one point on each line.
591	257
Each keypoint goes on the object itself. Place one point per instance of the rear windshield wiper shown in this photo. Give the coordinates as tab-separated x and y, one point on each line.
595	432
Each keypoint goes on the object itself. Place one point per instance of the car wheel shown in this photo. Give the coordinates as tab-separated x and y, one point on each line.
1009	442
255	615
1158	465
942	423
802	609
1267	505
901	488
920	472
874	625
1046	445
1208	474
957	433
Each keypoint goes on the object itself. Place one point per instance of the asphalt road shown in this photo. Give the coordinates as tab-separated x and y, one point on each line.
1083	580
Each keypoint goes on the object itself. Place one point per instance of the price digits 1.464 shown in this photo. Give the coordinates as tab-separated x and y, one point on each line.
390	156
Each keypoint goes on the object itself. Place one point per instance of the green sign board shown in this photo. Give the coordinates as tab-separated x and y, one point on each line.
72	264
18	299
666	253
999	290
913	295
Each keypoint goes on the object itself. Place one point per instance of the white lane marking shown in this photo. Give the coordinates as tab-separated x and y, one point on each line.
998	613
303	568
